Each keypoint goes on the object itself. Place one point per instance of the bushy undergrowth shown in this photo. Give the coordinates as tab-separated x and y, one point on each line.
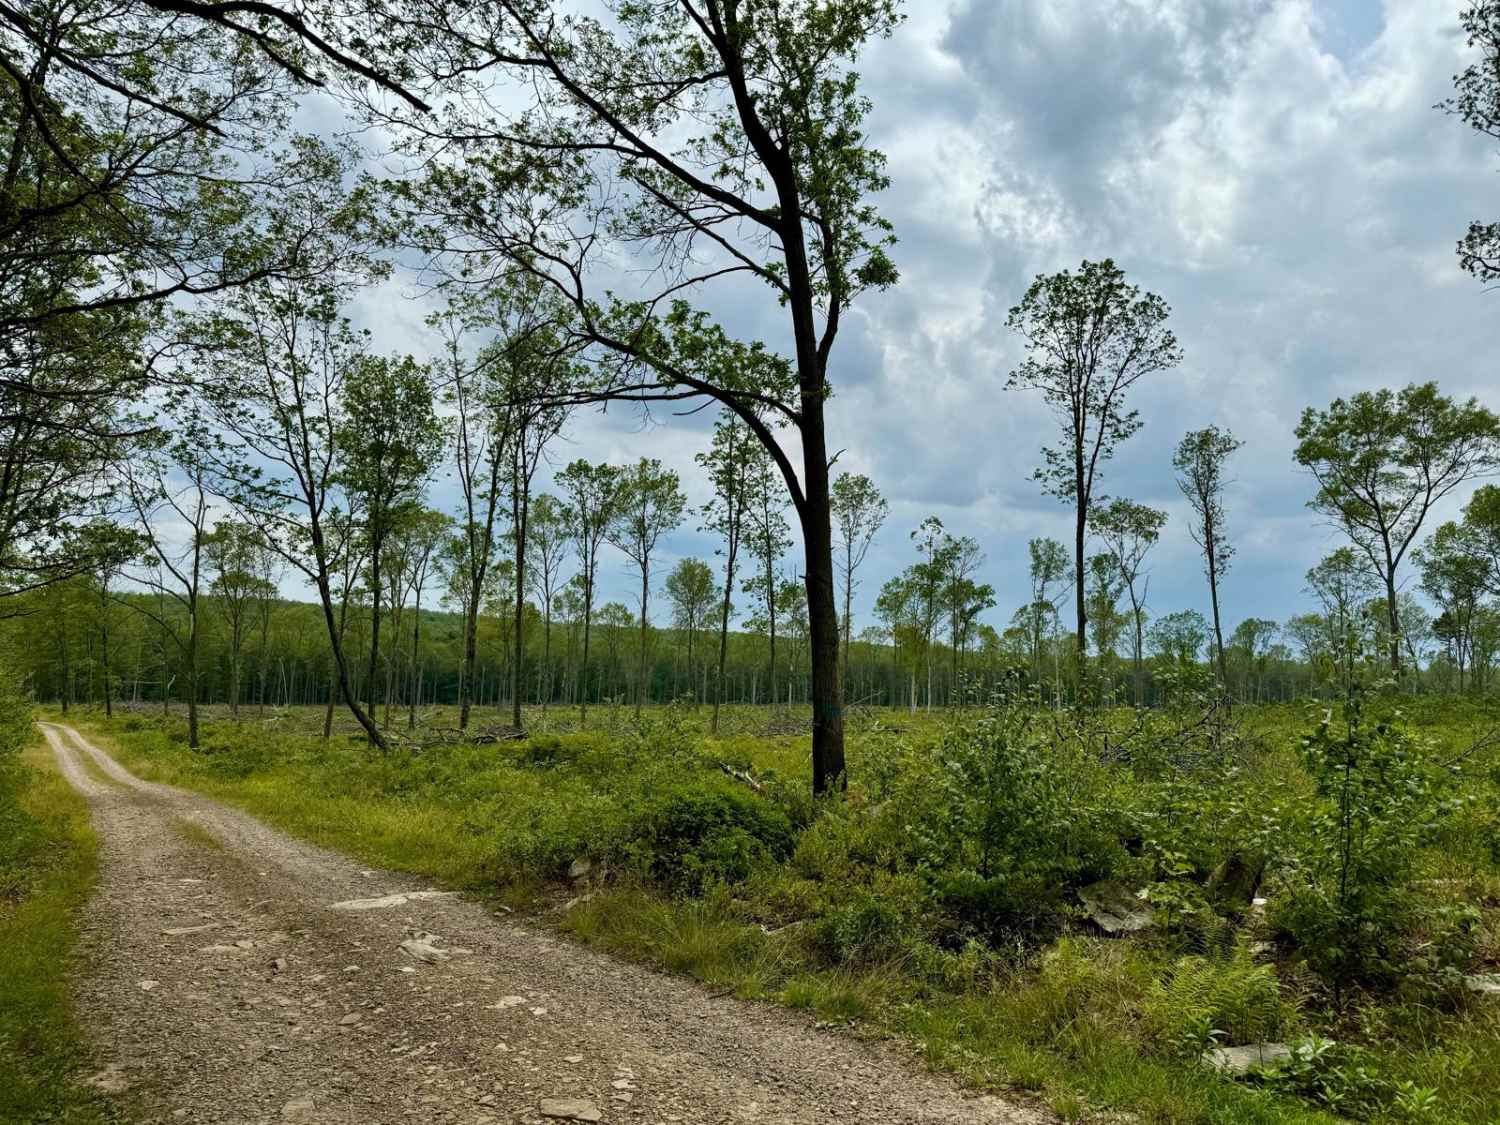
940	895
46	870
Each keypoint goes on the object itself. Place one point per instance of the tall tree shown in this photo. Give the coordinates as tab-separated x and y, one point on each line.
593	493
1090	336
1179	636
651	505
389	439
1382	459
705	129
1200	462
1129	531
691	590
418	543
859	511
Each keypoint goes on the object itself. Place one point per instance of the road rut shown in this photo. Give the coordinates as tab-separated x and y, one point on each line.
223	982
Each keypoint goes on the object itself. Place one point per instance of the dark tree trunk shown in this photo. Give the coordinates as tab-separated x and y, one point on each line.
829	770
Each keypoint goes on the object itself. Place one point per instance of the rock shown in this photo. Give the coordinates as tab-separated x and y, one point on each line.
421	945
1232	885
1114	907
1487	984
508	1002
299	1109
580	868
245	943
350	1020
1241	1060
148	985
278	964
574	1059
572	902
182	931
571	1109
384	902
111	1080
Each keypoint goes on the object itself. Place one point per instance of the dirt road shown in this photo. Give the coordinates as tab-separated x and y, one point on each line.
235	975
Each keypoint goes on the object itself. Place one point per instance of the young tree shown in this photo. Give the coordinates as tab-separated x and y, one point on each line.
1200	461
925	579
531	370
282	355
1090	337
164	510
705	129
1382	459
237	566
858	513
728	461
769	538
1342	583
963	599
651	505
1253	637
593	494
691	590
419	542
1179	636
1455	575
389	439
546	545
1129	531
1049	564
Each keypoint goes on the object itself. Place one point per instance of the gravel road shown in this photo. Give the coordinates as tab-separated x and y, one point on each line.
232	974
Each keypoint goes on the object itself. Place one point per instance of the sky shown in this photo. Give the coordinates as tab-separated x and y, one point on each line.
1273	169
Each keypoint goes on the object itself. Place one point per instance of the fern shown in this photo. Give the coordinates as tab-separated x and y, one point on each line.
1202	1000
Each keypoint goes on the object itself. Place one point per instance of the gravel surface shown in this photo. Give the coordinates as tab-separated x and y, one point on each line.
233	974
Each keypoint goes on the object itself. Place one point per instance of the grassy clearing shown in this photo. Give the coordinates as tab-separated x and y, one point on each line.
47	868
935	900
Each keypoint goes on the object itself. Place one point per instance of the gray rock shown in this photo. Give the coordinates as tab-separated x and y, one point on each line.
1114	907
181	931
299	1109
1232	885
571	1109
1242	1060
1487	984
110	1080
350	1020
385	902
423	946
580	868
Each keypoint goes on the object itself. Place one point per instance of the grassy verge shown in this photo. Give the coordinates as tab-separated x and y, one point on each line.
47	868
756	891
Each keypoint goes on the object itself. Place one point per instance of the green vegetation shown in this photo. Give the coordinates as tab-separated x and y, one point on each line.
46	872
937	899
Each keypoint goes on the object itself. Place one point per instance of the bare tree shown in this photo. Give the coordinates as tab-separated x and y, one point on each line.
1200	462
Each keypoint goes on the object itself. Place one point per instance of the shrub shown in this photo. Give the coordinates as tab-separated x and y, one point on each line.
696	837
1349	904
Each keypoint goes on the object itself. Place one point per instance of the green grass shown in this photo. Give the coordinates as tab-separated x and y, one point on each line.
841	924
47	869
